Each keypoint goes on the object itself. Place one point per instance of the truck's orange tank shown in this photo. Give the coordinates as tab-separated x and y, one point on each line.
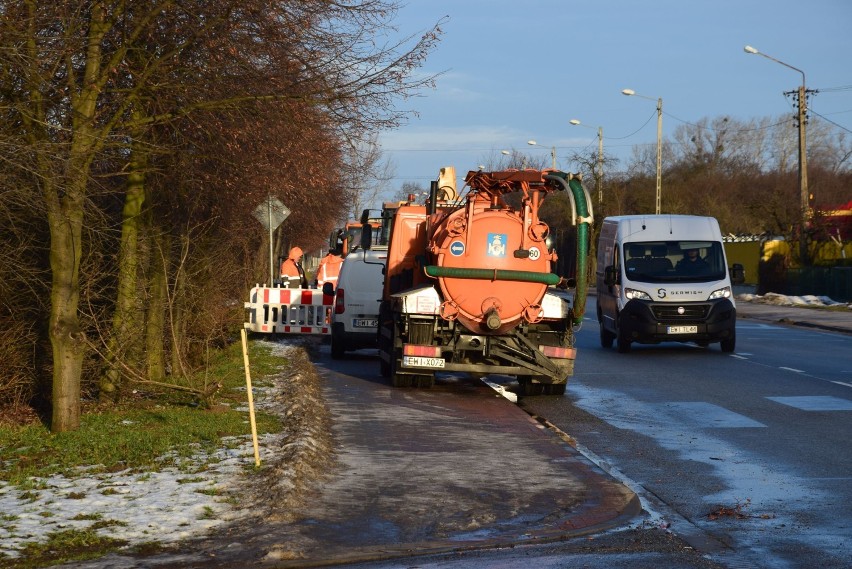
506	250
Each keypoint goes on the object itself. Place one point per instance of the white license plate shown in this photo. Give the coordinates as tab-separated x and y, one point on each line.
682	329
418	361
365	323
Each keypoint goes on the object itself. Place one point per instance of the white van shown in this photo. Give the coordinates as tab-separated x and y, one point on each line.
664	278
355	318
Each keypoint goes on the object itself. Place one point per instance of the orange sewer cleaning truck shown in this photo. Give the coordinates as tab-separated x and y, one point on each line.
469	283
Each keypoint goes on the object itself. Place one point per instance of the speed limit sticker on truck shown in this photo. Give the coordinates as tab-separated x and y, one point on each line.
420	361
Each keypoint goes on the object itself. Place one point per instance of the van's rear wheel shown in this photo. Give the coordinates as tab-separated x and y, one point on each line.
622	339
337	346
607	337
729	344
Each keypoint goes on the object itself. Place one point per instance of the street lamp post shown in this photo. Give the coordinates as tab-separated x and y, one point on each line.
512	154
631	92
804	196
552	152
576	122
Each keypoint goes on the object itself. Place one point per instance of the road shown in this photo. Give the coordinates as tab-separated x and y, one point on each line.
668	457
749	449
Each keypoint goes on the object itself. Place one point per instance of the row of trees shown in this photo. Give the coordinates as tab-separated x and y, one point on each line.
137	137
744	173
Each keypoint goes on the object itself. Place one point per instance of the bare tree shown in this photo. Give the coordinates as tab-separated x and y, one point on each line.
85	80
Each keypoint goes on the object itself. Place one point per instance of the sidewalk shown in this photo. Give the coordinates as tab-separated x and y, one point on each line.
824	318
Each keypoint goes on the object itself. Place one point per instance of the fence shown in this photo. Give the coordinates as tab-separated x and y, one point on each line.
273	310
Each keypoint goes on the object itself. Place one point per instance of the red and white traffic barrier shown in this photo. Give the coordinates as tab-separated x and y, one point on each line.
273	310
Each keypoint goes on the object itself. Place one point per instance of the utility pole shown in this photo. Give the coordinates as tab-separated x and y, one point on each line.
802	119
804	194
600	172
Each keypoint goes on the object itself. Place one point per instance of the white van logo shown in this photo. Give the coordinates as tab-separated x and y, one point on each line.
661	293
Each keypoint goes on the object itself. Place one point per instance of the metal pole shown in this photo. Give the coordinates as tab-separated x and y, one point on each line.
553	156
803	154
269	224
600	170
803	172
659	150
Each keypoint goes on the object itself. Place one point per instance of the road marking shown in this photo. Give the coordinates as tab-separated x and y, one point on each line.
815	403
842	383
706	415
792	369
739	357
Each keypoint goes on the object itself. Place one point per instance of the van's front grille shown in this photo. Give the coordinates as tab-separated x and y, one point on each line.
668	312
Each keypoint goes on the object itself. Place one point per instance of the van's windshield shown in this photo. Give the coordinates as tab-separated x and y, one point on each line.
674	261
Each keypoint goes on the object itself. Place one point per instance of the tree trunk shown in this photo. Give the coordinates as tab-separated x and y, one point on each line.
155	329
65	207
65	218
125	340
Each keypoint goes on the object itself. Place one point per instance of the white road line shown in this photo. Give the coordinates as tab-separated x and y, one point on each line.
792	369
842	383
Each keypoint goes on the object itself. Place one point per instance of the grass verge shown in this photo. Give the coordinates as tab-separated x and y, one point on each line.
134	436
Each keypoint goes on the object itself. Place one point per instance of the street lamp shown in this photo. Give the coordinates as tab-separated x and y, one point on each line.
552	152
804	196
576	122
631	92
512	154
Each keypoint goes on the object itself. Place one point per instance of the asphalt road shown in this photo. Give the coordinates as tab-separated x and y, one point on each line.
748	450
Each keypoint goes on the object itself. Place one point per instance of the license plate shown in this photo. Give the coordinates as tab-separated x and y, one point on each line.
419	361
682	329
365	323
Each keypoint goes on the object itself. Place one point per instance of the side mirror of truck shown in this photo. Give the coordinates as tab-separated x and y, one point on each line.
366	236
610	276
737	274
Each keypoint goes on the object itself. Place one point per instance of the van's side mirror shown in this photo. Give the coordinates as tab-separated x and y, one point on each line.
737	274
328	289
610	275
366	236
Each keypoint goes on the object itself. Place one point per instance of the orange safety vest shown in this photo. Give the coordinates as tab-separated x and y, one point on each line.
329	270
292	274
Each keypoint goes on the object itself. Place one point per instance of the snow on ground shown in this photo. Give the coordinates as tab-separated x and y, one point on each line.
172	504
786	300
138	507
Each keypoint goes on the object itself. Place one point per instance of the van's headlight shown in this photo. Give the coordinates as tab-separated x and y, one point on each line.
632	293
721	293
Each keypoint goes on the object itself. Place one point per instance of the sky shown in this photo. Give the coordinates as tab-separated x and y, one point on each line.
519	70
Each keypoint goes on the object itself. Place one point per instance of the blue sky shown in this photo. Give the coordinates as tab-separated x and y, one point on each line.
515	70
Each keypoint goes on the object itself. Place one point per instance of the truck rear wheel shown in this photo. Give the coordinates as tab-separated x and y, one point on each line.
555	388
528	388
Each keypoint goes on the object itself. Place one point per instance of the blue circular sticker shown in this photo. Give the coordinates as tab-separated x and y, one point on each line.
457	248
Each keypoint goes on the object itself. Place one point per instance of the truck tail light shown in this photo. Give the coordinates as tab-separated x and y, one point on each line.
560	353
423	351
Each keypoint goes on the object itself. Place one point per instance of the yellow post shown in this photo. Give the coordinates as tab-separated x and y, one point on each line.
250	399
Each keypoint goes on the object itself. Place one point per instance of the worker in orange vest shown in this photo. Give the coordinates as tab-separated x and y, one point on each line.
292	274
329	268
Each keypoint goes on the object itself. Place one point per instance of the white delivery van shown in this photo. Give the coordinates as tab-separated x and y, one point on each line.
355	318
663	278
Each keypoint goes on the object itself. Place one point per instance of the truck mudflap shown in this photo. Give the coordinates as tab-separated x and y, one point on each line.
274	310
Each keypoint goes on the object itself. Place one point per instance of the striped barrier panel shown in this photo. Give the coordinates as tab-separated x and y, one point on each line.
273	310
